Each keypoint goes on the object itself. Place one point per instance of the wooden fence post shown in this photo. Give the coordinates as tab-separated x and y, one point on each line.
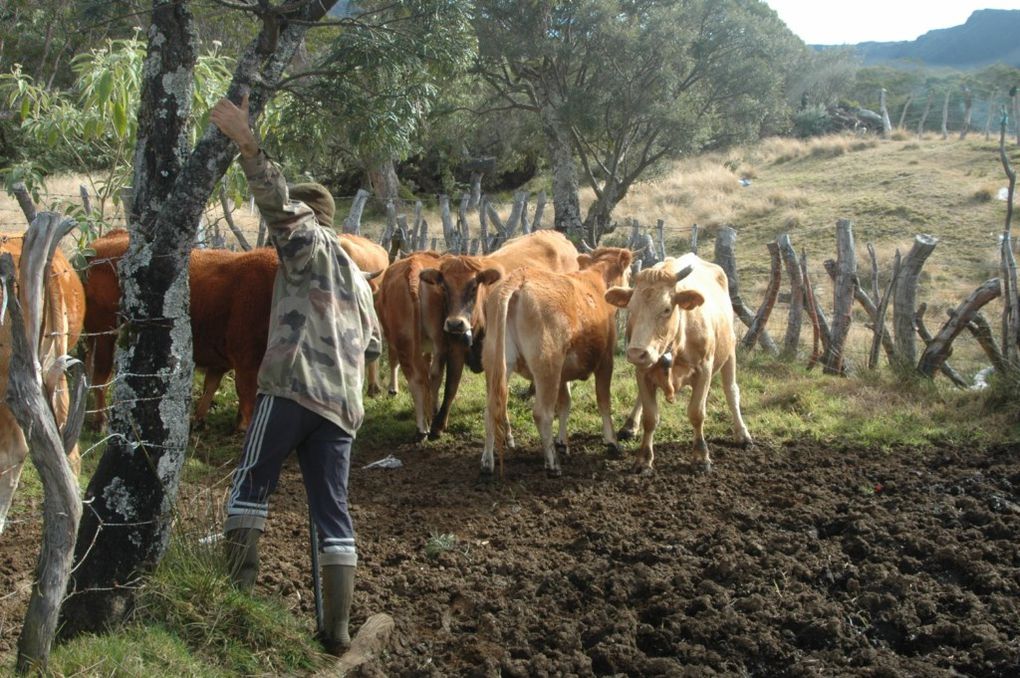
842	298
352	224
727	260
462	222
48	447
821	339
982	332
660	228
694	238
761	318
881	336
484	224
922	331
539	208
938	349
20	192
792	339
905	297
447	220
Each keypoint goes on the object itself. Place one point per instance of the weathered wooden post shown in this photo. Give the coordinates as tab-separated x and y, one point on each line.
423	235
391	223
694	238
944	367
881	336
982	332
905	297
539	208
21	194
500	237
945	116
1007	266
352	224
483	224
792	339
416	229
462	222
48	446
924	113
447	220
660	228
525	224
938	348
761	318
821	338
842	298
886	123
727	260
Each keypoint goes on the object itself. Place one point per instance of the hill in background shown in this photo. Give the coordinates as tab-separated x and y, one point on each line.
988	37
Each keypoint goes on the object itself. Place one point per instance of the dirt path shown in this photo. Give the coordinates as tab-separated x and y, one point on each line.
784	561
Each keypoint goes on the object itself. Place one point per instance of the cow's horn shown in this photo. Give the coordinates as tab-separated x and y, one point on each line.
585	247
371	275
686	271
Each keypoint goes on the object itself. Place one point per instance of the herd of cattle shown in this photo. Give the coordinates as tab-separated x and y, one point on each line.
535	306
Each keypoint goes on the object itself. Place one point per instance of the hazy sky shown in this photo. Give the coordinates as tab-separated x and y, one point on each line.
835	22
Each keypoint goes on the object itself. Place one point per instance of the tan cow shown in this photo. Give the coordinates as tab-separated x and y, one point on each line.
453	301
399	307
63	314
552	328
680	316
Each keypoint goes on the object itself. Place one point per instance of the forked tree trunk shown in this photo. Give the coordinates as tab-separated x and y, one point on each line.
133	491
566	206
905	297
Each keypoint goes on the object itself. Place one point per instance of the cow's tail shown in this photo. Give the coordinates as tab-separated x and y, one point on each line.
497	371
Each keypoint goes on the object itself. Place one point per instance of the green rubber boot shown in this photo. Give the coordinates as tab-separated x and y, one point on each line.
243	556
337	592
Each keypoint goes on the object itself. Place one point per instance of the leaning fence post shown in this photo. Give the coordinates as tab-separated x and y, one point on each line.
352	224
694	238
842	298
483	224
793	322
660	232
982	332
905	297
727	260
922	331
938	349
462	222
881	336
539	208
761	318
821	338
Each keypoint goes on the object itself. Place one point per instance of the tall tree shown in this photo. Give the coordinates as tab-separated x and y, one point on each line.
132	494
623	85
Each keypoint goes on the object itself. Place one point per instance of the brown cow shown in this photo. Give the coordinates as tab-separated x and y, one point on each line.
679	314
552	328
399	306
61	325
452	313
231	296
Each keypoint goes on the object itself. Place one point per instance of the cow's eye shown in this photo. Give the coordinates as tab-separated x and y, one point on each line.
666	312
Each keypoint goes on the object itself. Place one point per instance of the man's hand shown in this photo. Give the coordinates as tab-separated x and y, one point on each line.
233	122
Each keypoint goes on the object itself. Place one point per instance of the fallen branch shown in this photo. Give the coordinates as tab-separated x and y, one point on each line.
761	318
938	349
925	335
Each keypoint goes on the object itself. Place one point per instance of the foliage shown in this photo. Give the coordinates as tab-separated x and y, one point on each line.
812	121
636	83
370	90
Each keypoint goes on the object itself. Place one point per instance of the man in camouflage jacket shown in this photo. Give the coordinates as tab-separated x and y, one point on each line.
323	329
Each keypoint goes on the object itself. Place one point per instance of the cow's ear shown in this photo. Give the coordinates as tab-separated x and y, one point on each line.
432	276
619	296
688	299
489	276
584	261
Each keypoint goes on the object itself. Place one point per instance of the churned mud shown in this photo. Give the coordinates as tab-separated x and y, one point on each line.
784	561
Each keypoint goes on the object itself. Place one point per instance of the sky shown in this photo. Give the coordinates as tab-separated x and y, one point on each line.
836	22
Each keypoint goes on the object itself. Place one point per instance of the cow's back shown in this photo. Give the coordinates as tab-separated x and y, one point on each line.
546	249
369	256
715	315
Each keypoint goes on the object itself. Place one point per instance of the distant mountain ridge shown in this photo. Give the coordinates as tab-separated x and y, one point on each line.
989	36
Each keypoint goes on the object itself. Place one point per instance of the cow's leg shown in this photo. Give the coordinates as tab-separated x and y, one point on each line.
13	450
417	375
732	391
649	408
437	366
393	363
543	409
696	414
563	414
99	358
372	379
213	377
454	372
246	382
603	382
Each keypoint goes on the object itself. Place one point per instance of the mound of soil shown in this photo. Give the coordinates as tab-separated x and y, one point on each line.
785	561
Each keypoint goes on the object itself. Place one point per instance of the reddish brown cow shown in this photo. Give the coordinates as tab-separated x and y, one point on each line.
62	318
453	318
399	306
552	328
679	314
231	296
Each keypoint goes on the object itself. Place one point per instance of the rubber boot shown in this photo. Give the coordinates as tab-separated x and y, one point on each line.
243	556
337	591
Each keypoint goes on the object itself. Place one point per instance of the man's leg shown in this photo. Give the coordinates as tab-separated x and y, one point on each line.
275	429
325	462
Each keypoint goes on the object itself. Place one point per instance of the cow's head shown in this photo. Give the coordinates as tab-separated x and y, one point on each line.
653	308
612	262
463	281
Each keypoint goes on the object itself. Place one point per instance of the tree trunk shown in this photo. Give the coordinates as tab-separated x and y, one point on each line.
945	116
566	206
968	109
727	260
133	491
886	123
842	298
792	339
382	177
597	222
352	224
924	113
906	107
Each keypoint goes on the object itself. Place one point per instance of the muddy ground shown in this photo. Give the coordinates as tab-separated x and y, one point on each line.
785	561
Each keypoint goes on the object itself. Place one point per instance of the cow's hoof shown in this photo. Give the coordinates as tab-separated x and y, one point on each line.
625	434
642	470
419	437
702	467
434	435
553	472
373	391
561	448
746	443
392	392
613	451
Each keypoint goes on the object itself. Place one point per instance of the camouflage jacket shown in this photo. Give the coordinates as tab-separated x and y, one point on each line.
323	327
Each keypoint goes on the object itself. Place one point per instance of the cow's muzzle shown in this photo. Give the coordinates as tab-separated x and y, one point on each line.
459	330
642	357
